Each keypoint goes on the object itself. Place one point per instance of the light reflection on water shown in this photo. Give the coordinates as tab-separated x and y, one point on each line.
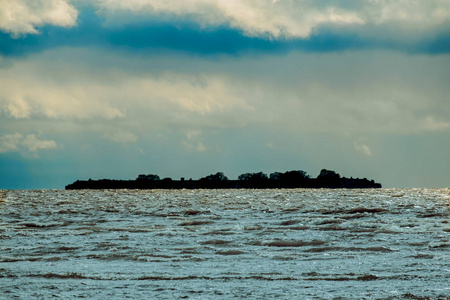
222	244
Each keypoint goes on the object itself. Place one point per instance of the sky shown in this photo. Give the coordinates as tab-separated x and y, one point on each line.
187	88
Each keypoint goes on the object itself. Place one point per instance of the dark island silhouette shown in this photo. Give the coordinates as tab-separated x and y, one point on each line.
276	180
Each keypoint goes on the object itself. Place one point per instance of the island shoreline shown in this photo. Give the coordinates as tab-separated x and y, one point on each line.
277	180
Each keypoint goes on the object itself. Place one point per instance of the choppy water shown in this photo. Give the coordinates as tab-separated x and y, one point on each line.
224	244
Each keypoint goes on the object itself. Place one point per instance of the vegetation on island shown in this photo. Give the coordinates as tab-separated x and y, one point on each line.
290	179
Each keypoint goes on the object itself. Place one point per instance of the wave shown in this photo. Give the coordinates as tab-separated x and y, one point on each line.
349	249
215	242
230	252
195	223
44	225
366	277
294	243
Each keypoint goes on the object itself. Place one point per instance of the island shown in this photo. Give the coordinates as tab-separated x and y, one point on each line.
276	180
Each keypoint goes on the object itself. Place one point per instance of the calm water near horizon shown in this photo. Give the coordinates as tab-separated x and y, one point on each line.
225	244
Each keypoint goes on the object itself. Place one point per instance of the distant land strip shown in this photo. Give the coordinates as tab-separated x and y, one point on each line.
276	180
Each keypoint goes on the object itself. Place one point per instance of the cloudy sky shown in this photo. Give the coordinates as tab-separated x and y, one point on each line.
114	89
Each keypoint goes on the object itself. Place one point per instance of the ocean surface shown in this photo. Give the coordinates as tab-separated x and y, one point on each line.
225	244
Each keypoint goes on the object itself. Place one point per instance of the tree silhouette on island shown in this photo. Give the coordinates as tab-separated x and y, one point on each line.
276	180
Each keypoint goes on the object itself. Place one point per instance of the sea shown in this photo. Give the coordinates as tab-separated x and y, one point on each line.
225	244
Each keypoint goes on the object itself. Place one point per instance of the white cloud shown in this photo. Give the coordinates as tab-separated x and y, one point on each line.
23	16
13	142
34	144
121	136
199	147
430	124
192	134
362	148
194	142
59	90
286	18
254	17
128	99
10	142
200	93
411	11
30	89
19	108
268	18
